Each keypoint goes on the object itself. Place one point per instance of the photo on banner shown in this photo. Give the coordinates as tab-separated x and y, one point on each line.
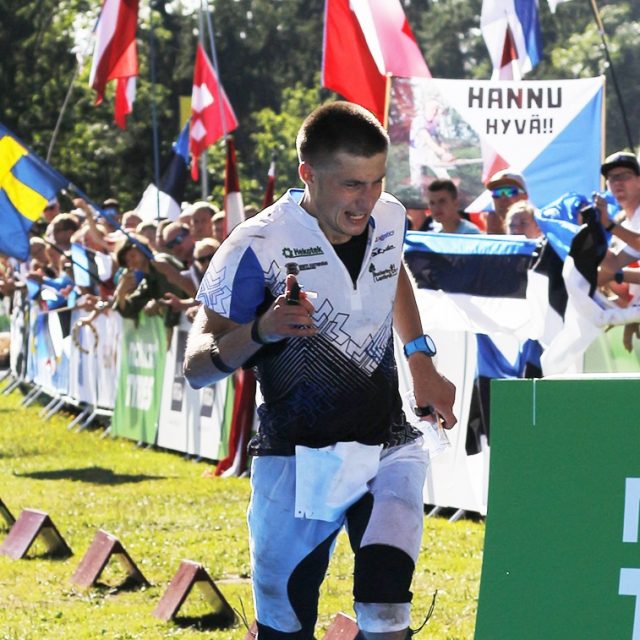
466	130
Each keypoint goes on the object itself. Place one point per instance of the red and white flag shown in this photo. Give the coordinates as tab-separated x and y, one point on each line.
271	183
233	206
115	56
364	40
211	113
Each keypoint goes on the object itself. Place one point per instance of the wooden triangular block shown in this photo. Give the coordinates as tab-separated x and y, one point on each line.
342	628
252	631
26	529
103	547
192	573
6	515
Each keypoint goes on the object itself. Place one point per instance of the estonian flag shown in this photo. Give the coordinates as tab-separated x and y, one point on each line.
163	200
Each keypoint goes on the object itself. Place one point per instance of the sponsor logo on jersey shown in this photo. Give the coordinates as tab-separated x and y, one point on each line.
390	272
384	236
295	252
379	250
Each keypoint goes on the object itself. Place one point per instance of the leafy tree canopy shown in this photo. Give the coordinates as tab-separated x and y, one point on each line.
269	53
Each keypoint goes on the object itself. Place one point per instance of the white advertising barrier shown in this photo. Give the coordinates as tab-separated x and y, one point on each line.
190	420
19	329
454	479
95	358
109	329
48	353
83	387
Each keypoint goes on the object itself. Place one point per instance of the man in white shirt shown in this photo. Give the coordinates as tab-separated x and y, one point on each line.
622	173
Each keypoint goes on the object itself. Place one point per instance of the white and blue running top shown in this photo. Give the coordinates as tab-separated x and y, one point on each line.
341	384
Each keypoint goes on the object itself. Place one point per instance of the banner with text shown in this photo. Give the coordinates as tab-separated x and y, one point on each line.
465	130
142	356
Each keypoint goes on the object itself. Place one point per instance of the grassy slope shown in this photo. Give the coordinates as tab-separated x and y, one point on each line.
163	510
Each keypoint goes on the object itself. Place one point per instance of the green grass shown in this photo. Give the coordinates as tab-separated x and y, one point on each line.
163	510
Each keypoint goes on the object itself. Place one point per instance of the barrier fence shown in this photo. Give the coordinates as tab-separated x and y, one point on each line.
124	372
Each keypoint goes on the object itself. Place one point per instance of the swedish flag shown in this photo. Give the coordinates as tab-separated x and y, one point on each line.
26	184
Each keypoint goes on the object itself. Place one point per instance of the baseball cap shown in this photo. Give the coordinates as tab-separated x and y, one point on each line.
620	159
505	177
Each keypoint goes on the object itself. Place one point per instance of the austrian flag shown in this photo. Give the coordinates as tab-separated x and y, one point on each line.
211	114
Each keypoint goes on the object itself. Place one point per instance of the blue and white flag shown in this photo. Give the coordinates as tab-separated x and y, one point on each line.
511	31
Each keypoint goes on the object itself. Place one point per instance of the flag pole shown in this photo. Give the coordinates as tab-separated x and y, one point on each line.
603	37
76	72
214	59
204	179
154	108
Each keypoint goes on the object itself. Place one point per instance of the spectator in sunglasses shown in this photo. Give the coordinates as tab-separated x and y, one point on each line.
203	251
178	241
507	187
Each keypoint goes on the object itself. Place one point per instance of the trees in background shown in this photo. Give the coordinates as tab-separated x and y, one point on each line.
270	55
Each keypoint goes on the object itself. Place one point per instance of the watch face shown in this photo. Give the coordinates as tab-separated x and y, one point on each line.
429	344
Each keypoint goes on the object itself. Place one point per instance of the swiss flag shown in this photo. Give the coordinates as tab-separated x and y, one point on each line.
115	56
364	40
211	114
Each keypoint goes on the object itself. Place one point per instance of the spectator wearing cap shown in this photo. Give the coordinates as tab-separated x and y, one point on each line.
148	229
144	280
112	213
622	173
201	219
507	187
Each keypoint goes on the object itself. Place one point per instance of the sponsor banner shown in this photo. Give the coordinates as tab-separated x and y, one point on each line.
562	546
191	421
82	362
465	130
143	350
109	327
48	364
19	344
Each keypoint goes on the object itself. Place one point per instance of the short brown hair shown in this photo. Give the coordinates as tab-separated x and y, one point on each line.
340	126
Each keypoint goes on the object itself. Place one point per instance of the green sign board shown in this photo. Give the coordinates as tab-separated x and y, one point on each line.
143	354
562	551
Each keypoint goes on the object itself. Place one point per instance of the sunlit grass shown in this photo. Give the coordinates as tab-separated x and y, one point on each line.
163	510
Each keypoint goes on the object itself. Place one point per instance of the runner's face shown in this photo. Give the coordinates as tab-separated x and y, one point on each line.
342	192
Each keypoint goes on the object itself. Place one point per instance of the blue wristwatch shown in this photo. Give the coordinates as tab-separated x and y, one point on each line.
424	344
